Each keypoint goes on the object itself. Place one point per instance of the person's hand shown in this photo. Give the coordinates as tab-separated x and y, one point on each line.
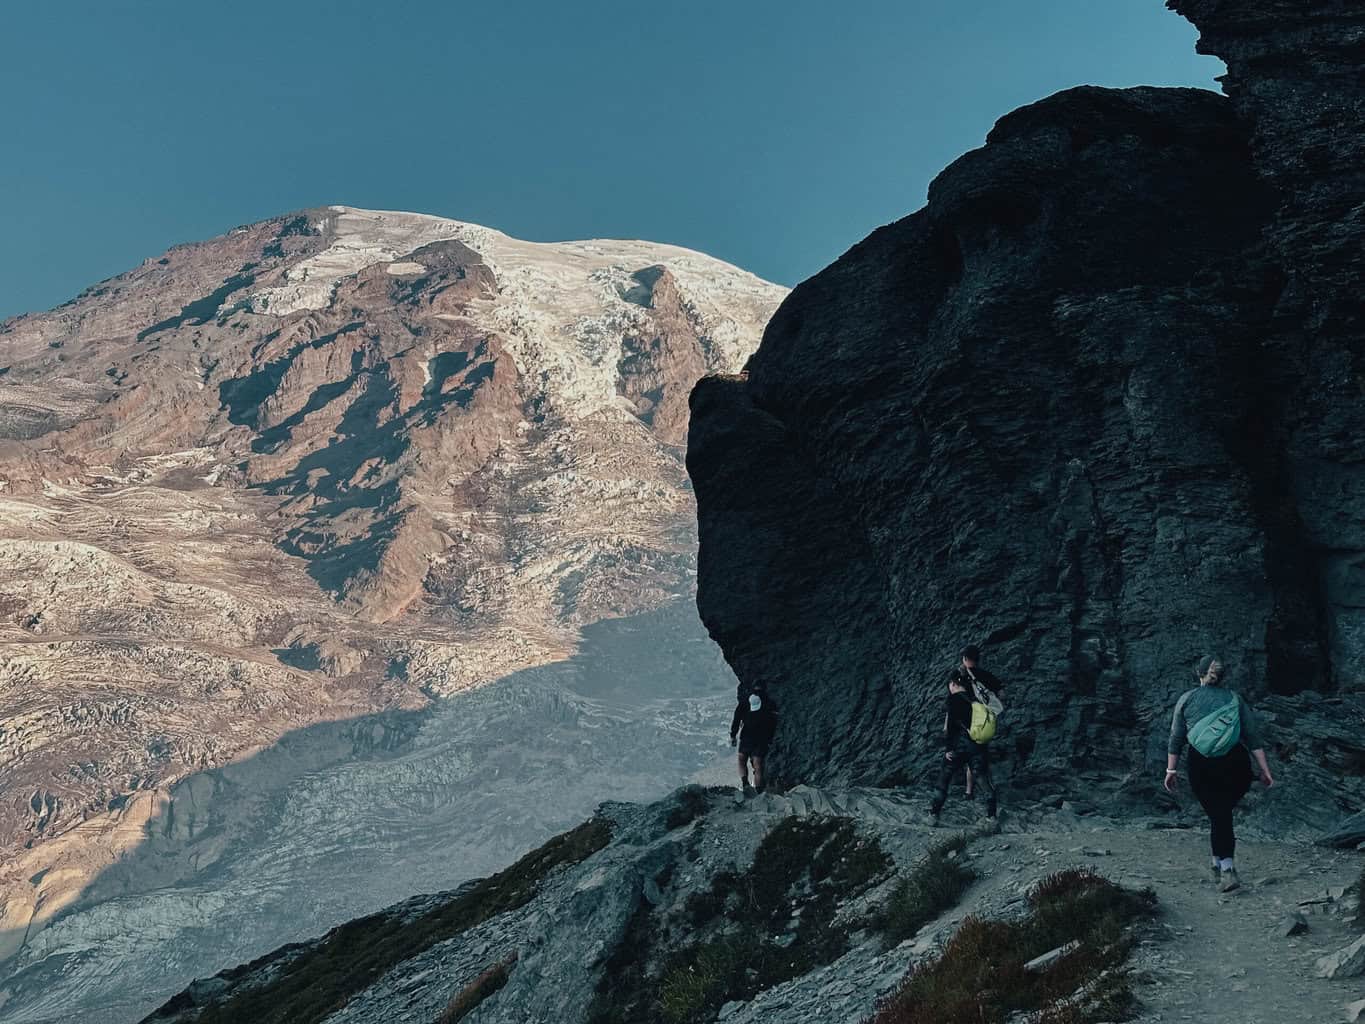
1170	782
948	756
732	741
1266	778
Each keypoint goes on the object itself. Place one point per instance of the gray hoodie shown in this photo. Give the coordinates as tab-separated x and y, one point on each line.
1204	700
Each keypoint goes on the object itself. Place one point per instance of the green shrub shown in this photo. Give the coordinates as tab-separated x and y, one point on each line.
699	983
744	935
849	861
485	985
936	883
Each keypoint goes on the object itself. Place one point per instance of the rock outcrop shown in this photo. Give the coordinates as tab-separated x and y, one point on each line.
1097	407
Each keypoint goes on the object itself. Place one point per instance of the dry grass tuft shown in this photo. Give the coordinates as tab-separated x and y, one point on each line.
485	985
980	975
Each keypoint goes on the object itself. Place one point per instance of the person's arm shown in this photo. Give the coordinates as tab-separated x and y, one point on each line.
735	722
1251	736
1249	723
1170	781
1266	777
951	722
1175	745
990	681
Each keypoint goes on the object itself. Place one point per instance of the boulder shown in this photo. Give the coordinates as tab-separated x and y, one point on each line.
1293	924
1348	962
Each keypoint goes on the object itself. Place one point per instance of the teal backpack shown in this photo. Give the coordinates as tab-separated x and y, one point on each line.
1217	732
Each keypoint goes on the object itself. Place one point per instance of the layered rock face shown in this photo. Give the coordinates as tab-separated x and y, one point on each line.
338	463
1096	407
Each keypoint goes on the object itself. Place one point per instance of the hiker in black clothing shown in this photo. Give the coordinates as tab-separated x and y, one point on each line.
959	749
971	666
755	724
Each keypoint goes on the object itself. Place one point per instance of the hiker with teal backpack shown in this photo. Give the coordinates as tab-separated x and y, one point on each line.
967	727
1220	729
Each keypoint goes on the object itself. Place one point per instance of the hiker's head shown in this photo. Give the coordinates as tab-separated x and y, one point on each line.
971	654
1209	670
755	702
956	684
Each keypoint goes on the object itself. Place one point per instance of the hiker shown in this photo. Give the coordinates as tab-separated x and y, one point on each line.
755	724
967	728
971	666
1220	729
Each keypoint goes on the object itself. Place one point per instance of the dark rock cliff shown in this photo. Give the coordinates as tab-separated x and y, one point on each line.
1097	406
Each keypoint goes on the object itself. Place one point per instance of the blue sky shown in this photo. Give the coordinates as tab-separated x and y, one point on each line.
771	133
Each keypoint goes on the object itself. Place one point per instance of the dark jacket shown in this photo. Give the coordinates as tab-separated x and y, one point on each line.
758	727
957	721
742	695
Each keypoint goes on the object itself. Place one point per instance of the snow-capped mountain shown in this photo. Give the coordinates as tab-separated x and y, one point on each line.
338	464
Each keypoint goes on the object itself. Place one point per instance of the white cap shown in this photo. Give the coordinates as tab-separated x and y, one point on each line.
755	702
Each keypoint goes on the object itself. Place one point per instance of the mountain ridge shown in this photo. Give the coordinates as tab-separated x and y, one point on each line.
335	465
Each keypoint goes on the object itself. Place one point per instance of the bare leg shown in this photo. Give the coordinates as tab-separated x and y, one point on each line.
969	783
758	772
743	769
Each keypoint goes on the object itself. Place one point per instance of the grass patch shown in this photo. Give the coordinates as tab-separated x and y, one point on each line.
485	985
747	932
936	883
350	958
779	916
980	976
623	991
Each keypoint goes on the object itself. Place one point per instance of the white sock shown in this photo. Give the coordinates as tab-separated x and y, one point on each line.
1225	864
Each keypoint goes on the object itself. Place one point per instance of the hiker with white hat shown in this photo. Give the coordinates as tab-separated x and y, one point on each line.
754	725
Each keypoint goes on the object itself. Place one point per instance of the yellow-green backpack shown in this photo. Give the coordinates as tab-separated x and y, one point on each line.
982	728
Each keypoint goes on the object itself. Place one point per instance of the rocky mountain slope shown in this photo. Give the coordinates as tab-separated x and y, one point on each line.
613	922
1098	407
271	507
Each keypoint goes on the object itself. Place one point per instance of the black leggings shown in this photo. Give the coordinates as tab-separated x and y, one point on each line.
1218	784
966	755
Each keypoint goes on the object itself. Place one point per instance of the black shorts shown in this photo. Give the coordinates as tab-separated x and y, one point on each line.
753	749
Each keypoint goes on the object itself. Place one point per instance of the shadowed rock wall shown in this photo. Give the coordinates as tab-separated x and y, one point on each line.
1095	406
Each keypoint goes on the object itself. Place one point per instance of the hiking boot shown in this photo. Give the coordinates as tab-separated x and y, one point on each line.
1216	874
933	819
760	789
990	808
747	789
1229	880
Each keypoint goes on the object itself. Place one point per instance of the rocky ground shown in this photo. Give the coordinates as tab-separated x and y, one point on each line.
1206	957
